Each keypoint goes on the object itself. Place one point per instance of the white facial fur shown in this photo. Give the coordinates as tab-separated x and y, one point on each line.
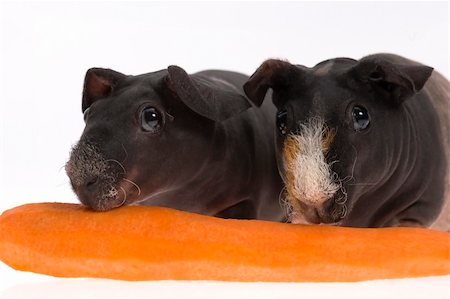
309	177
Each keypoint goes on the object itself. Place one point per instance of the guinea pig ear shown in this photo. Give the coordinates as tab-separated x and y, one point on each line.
98	83
398	82
273	73
216	102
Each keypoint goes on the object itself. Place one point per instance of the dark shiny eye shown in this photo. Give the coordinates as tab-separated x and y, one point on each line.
85	114
361	119
281	121
151	120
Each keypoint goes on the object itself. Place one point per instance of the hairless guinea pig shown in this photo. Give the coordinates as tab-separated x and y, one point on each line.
190	142
361	143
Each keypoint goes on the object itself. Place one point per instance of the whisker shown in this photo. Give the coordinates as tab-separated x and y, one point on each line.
284	203
126	153
125	195
134	184
351	177
281	200
344	211
120	164
346	179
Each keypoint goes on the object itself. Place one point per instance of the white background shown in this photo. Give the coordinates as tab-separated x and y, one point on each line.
46	48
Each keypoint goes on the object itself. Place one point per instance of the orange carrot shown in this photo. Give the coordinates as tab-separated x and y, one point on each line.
150	243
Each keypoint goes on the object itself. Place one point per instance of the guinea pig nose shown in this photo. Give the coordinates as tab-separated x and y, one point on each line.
91	182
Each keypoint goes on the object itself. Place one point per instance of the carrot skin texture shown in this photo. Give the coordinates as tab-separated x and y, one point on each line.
152	243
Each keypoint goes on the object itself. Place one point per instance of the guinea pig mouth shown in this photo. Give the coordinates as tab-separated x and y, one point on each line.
94	179
314	192
332	212
104	196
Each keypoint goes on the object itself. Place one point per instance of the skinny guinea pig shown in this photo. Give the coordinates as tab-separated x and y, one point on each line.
189	142
360	143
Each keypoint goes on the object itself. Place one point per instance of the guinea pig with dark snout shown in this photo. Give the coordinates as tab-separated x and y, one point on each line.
360	143
167	138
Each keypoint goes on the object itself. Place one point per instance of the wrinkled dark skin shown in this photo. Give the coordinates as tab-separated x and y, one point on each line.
394	172
212	152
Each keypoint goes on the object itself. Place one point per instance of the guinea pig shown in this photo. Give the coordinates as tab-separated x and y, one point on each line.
166	138
360	143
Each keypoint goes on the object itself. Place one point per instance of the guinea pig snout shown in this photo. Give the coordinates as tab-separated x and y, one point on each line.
309	179
93	178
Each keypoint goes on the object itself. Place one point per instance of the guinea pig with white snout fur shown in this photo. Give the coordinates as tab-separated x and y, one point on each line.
361	143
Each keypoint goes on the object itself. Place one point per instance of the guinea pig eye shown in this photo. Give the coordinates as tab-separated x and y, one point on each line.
151	120
361	119
85	114
281	121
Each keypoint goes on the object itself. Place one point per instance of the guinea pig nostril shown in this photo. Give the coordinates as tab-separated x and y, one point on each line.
91	182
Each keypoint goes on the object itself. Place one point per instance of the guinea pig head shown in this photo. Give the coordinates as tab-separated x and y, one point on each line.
333	121
144	135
